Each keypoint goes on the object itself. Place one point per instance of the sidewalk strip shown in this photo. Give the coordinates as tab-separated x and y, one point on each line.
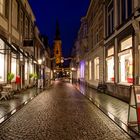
123	126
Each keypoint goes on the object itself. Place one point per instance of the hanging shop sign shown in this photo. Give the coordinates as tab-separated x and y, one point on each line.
28	43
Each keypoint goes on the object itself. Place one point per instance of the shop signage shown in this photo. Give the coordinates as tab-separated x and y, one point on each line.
28	43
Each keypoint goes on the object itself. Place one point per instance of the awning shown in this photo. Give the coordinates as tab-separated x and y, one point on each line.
8	46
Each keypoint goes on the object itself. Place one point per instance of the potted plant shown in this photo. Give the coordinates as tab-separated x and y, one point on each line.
31	75
35	76
10	77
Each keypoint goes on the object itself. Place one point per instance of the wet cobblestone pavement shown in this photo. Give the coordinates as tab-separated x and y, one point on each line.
60	113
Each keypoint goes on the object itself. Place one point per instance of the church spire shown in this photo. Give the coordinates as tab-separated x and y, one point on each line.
57	33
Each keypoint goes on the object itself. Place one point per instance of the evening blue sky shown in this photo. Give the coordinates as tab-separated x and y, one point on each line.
67	12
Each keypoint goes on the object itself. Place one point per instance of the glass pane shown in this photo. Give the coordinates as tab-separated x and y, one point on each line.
129	3
2	44
126	43
126	68
13	67
2	68
110	69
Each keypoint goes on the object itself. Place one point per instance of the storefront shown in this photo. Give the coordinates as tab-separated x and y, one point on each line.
3	62
119	67
126	61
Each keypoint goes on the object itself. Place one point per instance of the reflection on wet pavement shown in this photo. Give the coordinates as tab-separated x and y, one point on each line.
113	105
9	106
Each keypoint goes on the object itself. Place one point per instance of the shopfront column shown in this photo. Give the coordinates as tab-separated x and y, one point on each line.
136	26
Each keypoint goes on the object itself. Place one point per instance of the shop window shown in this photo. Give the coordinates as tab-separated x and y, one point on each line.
82	69
90	70
126	62
3	62
31	67
96	68
110	69
26	70
110	64
13	66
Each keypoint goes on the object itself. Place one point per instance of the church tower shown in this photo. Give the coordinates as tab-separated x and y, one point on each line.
57	46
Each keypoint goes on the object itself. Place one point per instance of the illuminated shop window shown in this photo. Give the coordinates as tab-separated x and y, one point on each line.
96	68
110	64
3	62
26	70
110	69
31	67
82	69
126	62
90	67
13	66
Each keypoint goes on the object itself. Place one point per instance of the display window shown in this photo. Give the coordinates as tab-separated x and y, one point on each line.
110	69
14	66
110	65
96	68
126	62
3	62
26	69
31	67
82	69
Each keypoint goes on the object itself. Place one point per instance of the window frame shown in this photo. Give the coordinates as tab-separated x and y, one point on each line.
123	52
110	18
109	56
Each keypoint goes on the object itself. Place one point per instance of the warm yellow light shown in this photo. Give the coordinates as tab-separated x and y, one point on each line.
39	61
72	69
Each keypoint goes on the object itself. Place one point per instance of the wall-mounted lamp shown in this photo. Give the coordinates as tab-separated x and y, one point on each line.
39	61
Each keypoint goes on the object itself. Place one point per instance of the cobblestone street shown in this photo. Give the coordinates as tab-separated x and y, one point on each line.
60	113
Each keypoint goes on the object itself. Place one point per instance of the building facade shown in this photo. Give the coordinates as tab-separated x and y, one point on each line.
110	51
121	42
19	47
89	46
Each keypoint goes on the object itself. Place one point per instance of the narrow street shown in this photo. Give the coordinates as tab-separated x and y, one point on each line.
60	113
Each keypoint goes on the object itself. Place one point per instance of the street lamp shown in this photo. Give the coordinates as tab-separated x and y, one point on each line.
39	61
39	73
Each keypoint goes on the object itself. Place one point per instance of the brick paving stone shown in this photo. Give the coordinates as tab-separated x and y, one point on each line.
60	113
